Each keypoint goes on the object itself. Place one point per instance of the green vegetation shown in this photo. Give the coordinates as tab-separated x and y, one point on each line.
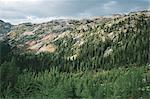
39	76
116	83
109	60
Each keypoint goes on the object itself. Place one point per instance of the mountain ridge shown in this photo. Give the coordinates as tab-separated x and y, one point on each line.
44	37
97	58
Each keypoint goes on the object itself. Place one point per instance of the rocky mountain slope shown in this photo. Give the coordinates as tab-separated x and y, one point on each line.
4	28
97	58
117	38
39	37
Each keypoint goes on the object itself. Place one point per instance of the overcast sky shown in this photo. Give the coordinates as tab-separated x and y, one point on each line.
18	11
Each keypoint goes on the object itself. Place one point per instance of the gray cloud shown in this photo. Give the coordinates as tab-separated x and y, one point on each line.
16	11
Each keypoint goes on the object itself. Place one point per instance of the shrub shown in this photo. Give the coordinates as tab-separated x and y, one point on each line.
8	76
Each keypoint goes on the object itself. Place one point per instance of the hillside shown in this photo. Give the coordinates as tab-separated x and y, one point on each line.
96	58
37	36
114	39
4	28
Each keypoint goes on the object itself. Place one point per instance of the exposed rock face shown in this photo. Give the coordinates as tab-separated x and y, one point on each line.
75	34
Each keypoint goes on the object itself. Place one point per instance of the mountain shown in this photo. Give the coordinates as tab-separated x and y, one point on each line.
36	37
4	27
106	36
97	58
117	39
